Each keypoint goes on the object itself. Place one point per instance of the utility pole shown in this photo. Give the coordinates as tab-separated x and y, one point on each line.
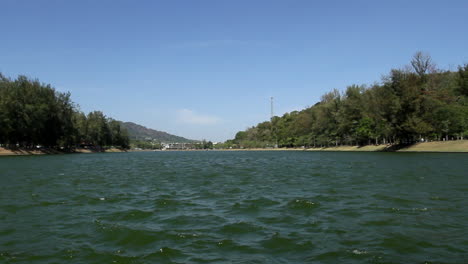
271	118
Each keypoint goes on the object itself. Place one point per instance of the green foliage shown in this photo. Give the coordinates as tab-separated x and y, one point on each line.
406	107
32	113
143	144
203	145
463	80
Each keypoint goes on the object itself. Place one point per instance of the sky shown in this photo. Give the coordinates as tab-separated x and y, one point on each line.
206	69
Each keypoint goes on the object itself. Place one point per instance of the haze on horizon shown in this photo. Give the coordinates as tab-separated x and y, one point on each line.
207	69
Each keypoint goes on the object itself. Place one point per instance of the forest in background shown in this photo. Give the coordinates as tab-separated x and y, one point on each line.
34	114
414	104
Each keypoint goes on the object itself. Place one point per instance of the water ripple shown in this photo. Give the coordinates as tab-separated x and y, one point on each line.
234	207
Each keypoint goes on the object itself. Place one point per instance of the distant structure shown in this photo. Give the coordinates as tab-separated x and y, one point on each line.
179	146
271	99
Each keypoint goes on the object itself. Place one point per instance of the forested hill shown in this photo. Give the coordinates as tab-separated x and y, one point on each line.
35	114
414	104
139	132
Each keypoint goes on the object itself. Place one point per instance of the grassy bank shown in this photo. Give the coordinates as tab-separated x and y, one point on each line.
438	146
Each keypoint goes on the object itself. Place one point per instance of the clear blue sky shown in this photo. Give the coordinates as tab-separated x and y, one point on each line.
206	69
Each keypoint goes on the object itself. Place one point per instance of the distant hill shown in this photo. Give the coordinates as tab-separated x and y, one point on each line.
140	132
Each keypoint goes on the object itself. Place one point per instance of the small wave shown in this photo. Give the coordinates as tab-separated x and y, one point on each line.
243	208
164	202
279	243
327	198
125	236
130	215
13	209
383	222
397	200
277	219
207	259
301	204
350	212
96	199
167	251
412	210
261	202
187	235
193	221
233	190
172	204
27	257
51	203
240	228
359	252
253	205
232	246
438	198
403	244
164	254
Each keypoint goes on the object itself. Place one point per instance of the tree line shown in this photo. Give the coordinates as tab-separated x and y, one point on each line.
35	114
413	104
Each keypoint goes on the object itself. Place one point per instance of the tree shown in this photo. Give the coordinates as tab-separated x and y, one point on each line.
408	105
422	63
33	113
463	80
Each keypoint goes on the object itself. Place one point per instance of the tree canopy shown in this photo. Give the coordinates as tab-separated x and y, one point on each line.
408	105
33	113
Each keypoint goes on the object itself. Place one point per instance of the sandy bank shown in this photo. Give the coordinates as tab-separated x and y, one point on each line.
22	151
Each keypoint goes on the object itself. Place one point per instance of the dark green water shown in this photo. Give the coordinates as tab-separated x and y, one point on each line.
234	207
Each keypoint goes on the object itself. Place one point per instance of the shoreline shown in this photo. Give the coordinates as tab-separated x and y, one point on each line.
47	151
455	146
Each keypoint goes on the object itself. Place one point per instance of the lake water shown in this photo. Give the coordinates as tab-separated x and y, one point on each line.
234	207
